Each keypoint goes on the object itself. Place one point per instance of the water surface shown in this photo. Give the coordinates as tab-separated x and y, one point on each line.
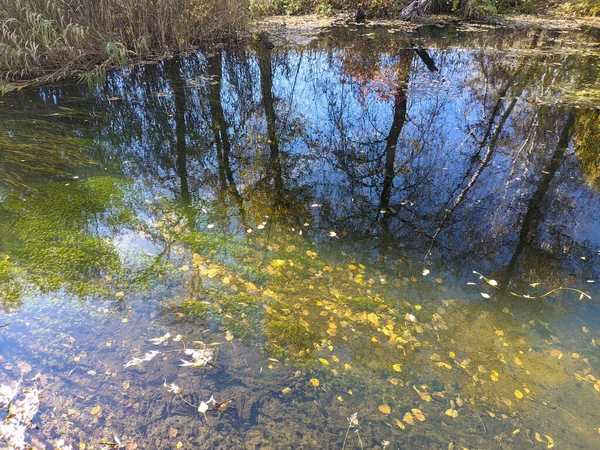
313	216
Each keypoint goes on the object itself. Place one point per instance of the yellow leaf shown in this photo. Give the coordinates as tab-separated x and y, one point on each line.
550	441
408	418
96	410
324	361
556	354
385	409
179	444
397	367
518	394
444	365
538	437
82	445
372	317
418	414
400	424
425	396
452	413
286	391
597	385
314	382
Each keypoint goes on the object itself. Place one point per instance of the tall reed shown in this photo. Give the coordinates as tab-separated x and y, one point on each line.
42	40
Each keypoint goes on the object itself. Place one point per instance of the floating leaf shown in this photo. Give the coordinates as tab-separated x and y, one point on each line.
385	409
418	414
324	361
484	295
400	424
203	407
315	382
518	394
397	367
452	413
372	317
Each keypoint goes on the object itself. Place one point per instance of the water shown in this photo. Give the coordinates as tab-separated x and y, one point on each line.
312	216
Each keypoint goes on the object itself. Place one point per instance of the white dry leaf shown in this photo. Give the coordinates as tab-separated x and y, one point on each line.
484	295
493	282
13	434
137	361
203	407
160	340
200	357
6	395
332	234
177	338
425	272
173	388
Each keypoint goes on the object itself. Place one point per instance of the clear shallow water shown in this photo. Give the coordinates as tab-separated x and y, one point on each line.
314	216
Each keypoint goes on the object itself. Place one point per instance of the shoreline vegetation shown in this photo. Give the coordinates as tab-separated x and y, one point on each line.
42	41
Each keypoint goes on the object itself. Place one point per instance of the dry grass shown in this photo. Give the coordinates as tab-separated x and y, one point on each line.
42	40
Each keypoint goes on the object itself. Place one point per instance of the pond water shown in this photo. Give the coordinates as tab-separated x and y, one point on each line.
358	234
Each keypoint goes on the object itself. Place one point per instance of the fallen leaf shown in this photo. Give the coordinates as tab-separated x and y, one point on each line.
385	409
400	424
419	415
518	394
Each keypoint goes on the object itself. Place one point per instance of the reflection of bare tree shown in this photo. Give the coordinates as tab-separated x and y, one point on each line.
220	130
274	169
180	130
534	207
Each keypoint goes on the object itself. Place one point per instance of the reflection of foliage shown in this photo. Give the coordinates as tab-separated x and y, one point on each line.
51	236
587	129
